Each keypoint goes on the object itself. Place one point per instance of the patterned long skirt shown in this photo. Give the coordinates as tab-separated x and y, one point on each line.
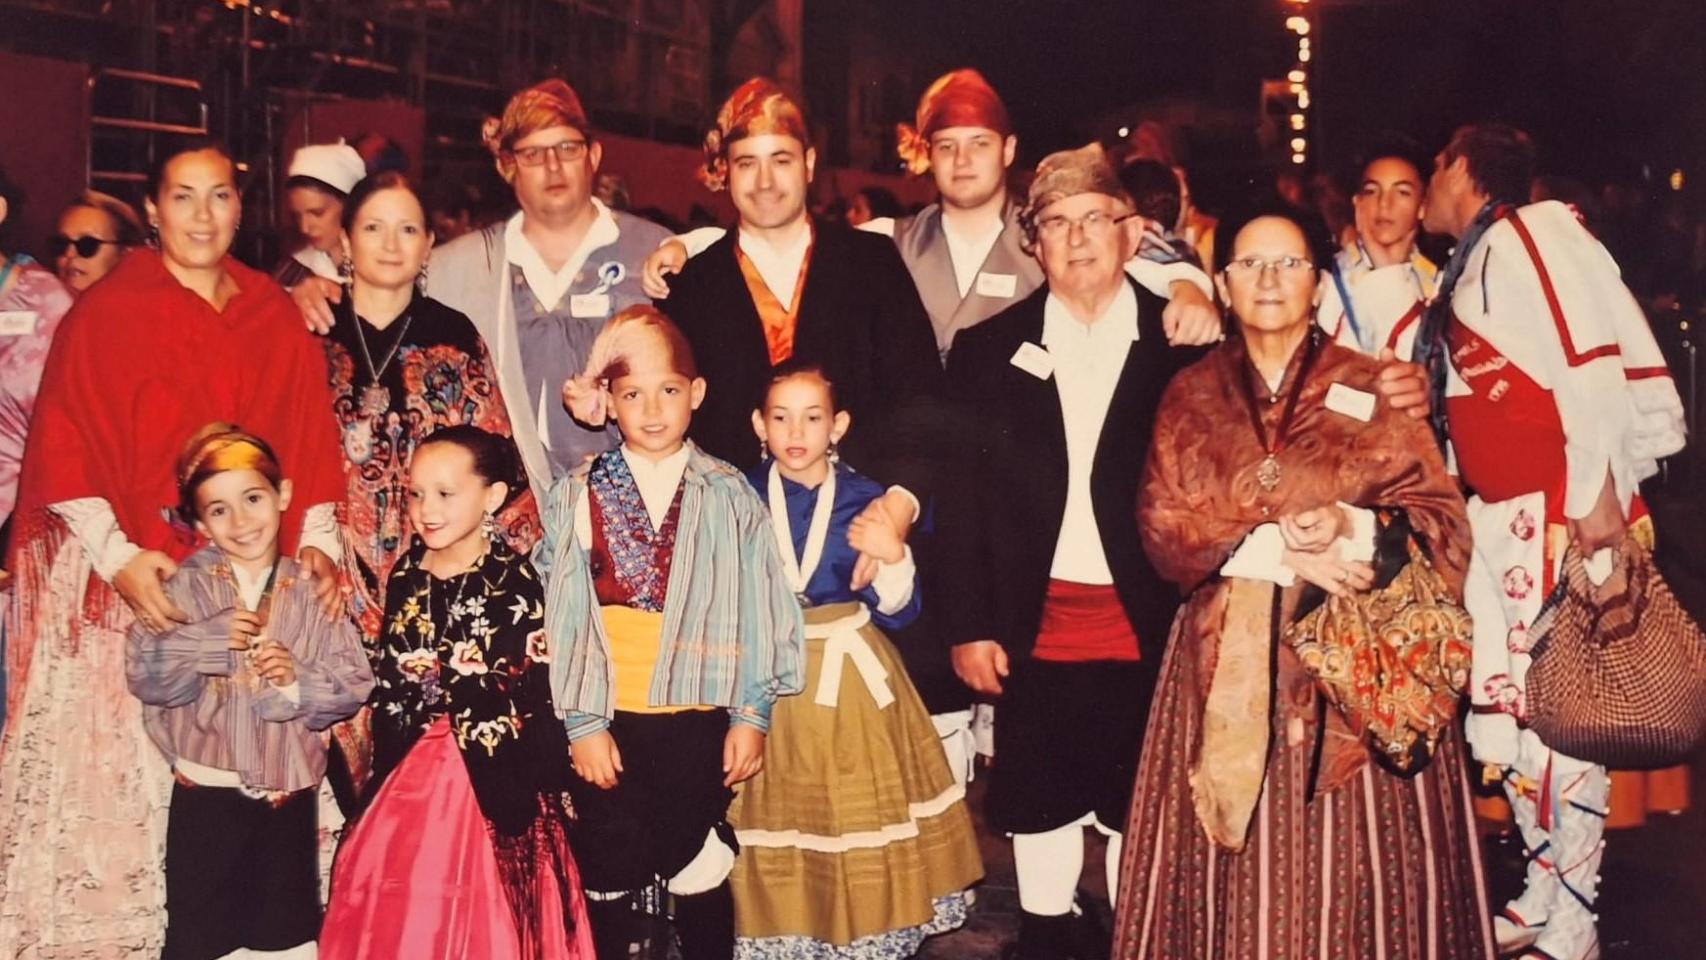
1379	867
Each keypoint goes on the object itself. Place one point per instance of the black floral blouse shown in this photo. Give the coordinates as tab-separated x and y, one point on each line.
473	648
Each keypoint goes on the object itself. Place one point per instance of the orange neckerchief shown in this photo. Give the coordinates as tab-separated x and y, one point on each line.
779	321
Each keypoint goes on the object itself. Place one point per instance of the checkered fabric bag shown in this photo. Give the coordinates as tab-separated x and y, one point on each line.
1619	672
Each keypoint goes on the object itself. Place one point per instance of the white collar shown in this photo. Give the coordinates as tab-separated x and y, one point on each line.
549	285
799	569
318	262
1118	323
249	587
779	266
658	481
972	231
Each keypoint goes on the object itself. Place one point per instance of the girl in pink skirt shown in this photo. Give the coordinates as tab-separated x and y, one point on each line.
461	854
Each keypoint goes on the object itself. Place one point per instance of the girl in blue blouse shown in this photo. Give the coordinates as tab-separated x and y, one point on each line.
855	841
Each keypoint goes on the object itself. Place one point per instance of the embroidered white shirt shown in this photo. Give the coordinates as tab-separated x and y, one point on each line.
1088	360
549	285
780	267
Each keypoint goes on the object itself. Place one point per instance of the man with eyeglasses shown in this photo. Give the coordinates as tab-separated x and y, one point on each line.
540	285
1052	605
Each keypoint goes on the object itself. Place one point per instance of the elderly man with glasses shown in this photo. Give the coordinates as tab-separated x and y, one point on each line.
1054	608
540	285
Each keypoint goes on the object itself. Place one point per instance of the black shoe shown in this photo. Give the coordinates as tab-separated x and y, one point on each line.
705	924
1092	932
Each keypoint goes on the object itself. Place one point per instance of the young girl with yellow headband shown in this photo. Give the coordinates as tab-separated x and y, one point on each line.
235	697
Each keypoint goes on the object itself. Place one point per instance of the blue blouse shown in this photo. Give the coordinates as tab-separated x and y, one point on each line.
829	583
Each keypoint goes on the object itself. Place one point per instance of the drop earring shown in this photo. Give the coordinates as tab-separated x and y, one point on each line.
489	526
421	279
834	454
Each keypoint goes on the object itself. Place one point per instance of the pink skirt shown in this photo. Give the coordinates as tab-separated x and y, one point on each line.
419	879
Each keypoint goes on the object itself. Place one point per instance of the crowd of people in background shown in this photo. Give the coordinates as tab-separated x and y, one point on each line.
522	576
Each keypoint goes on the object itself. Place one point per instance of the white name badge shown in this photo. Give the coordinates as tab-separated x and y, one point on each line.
999	285
589	305
15	323
1351	402
1034	360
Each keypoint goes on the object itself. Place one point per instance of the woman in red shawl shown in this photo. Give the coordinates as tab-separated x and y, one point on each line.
173	339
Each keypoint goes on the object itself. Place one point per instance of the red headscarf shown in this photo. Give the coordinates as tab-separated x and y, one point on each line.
961	98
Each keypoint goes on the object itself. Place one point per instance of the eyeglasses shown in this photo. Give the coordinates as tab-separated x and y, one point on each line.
567	151
1095	224
86	246
1256	266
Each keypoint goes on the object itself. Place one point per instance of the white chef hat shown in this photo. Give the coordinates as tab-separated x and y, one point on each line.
334	165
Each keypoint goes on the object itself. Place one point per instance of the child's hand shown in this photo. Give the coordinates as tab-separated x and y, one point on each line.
596	759
743	753
873	533
275	664
245	627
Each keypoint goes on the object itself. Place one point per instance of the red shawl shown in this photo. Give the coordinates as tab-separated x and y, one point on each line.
141	363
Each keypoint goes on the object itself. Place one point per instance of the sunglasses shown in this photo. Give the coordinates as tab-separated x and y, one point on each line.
85	246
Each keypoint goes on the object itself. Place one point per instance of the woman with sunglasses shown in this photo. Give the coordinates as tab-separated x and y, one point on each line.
93	235
1297	509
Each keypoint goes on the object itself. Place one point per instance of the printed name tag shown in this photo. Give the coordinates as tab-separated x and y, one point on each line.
1351	402
589	305
1034	360
15	323
999	285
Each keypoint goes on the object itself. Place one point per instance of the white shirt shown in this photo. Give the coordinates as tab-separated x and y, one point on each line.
780	267
95	526
549	285
1088	360
657	483
969	243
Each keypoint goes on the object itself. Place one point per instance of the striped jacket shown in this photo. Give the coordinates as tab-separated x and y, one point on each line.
732	630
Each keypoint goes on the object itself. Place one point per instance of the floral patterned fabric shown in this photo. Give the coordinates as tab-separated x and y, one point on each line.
473	648
439	375
639	556
950	914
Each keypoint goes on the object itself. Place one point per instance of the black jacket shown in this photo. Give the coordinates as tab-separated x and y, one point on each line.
860	318
1000	523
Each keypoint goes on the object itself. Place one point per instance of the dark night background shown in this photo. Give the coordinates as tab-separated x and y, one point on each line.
1605	87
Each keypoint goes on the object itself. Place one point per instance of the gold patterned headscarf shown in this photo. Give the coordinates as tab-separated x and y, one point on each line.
758	107
552	103
216	448
1068	173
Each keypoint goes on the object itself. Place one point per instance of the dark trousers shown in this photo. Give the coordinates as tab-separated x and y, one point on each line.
1067	740
240	872
669	795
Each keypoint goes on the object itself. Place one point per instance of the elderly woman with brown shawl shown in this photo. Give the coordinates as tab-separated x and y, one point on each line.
1302	789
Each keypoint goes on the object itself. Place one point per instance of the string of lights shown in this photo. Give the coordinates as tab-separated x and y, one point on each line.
1298	24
